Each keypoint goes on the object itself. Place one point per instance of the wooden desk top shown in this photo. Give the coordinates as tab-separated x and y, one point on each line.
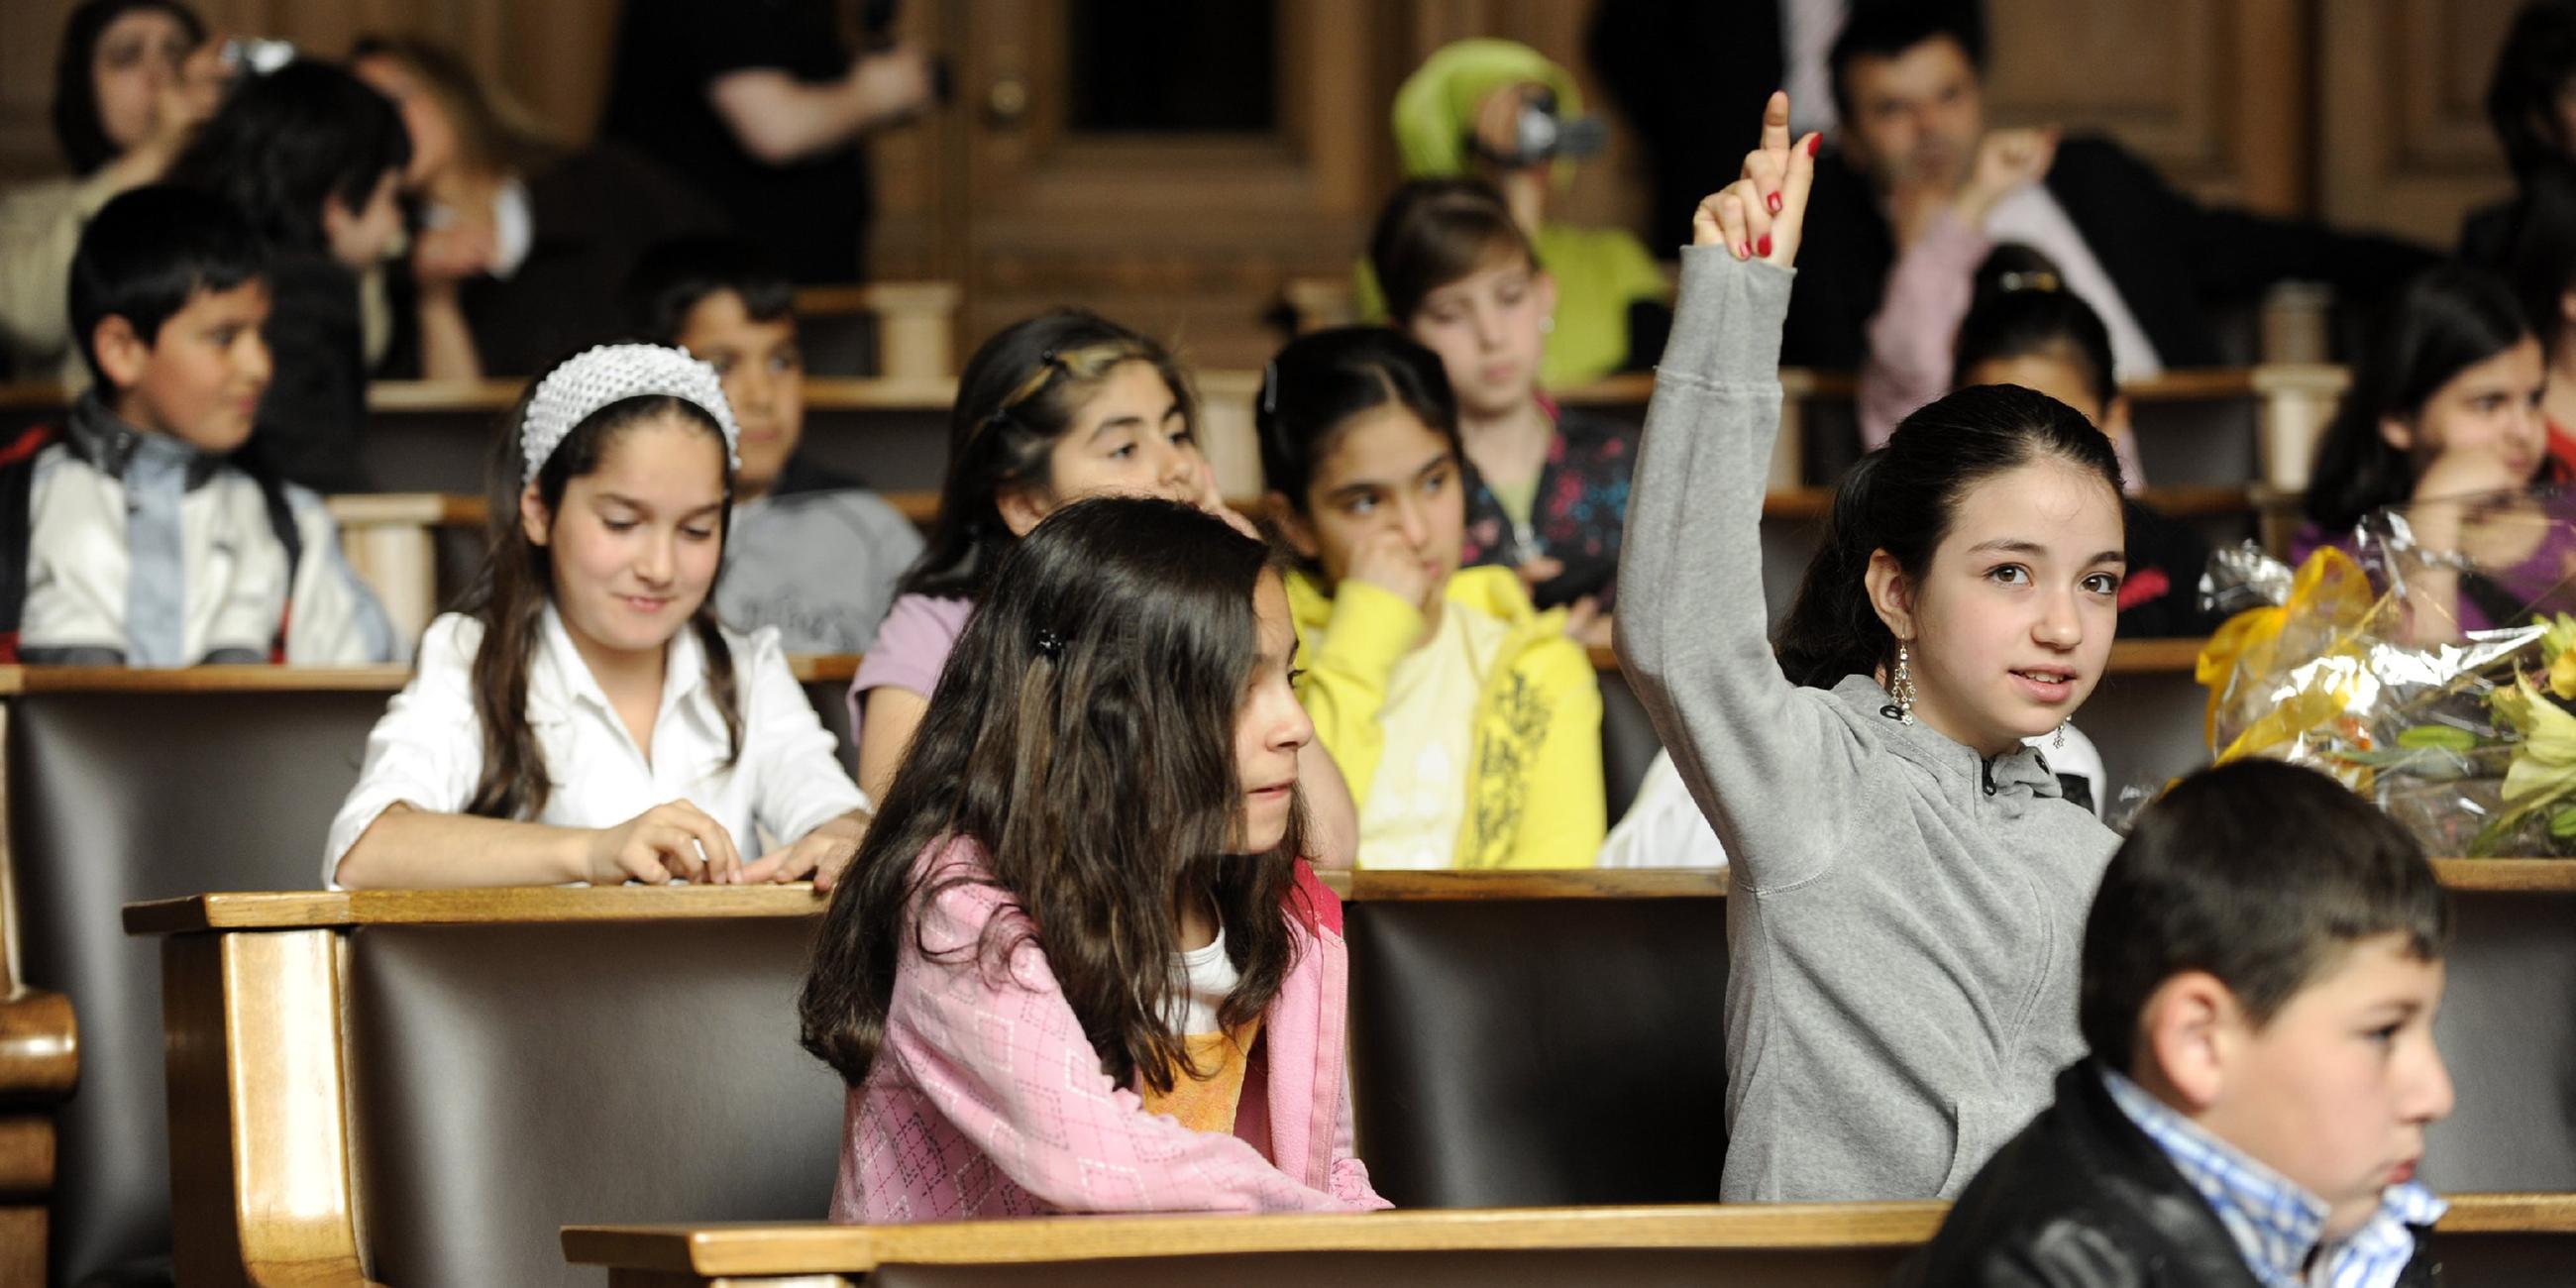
2207	384
750	1249
838	1249
808	668
309	909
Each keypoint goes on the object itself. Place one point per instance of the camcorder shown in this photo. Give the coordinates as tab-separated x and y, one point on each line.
1539	134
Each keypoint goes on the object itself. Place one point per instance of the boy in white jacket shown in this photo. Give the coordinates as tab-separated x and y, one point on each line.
138	541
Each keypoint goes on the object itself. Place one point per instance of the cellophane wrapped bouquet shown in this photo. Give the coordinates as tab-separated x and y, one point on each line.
2434	678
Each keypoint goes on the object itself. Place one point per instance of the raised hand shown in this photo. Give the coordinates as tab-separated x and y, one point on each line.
2007	161
1763	214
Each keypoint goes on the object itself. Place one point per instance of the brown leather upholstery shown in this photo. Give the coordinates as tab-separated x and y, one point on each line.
118	797
514	1079
2507	1029
1540	1052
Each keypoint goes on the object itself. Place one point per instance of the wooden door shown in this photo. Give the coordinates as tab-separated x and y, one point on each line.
1080	175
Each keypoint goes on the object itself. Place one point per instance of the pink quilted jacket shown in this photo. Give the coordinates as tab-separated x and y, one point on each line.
986	1100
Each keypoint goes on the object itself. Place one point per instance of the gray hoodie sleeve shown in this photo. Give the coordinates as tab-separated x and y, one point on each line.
1772	765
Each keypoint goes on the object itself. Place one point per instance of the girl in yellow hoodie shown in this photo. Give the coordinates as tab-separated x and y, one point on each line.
1468	726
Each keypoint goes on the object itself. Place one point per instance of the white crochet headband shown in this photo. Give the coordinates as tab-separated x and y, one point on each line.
613	373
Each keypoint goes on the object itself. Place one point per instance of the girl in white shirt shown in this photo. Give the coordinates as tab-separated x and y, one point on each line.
585	718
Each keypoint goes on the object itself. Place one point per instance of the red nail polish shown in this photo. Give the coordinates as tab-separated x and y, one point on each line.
1774	200
1743	250
1814	141
1763	247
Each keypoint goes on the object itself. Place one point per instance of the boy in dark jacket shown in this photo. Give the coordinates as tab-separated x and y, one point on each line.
2260	972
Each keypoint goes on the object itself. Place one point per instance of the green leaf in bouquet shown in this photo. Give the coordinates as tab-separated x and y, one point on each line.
2431	737
2562	823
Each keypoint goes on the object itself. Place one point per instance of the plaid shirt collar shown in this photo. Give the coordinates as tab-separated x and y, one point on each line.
2276	1223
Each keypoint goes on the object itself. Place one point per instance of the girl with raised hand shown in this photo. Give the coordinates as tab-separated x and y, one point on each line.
1081	965
1467	724
1909	886
584	717
1051	410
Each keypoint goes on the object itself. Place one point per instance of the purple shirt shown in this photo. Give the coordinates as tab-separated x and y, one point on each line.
2540	582
910	648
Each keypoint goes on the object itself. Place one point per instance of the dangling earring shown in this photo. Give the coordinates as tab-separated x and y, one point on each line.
2059	741
1547	325
1900	686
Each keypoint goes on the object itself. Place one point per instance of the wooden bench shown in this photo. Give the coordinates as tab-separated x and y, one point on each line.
128	785
2230	427
2499	1240
421	1086
903	330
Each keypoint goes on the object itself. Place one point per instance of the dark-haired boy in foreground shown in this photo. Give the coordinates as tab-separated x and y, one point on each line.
2260	972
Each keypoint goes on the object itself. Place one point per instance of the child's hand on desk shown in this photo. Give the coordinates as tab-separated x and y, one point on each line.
822	854
1762	215
675	841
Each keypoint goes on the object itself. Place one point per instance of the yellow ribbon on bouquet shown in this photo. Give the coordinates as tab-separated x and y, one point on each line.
2332	592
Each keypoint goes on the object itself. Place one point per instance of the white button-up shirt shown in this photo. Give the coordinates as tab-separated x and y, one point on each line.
427	751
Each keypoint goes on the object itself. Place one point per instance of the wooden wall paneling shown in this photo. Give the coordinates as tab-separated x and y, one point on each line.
2213	92
552	58
2405	146
1190	238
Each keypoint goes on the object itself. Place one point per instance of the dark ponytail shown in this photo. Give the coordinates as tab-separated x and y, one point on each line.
1903	499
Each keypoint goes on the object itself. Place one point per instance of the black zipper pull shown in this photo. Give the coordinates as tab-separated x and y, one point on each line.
1986	768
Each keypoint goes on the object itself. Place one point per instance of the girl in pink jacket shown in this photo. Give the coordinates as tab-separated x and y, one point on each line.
1078	965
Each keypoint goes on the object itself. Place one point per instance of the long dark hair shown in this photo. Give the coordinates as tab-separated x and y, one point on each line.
2533	63
1083	739
1903	499
1018	396
77	127
510	593
1325	378
285	142
2541	263
2449	318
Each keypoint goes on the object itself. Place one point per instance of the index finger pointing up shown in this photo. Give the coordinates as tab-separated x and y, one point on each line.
1775	122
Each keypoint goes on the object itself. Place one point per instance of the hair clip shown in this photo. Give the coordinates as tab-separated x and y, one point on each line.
2037	279
1270	388
1050	644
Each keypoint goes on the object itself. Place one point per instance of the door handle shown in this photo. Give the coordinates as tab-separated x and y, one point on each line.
1006	104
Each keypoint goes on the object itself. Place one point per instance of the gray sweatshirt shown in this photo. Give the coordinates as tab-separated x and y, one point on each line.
1906	918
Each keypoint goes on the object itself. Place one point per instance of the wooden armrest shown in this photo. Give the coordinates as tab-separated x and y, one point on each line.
39	1046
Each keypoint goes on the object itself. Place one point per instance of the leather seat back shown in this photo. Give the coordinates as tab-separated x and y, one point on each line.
120	797
1540	1052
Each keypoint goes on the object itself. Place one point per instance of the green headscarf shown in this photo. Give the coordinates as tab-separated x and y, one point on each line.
1435	109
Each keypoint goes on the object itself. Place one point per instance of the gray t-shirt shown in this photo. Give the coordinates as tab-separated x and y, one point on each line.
820	566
